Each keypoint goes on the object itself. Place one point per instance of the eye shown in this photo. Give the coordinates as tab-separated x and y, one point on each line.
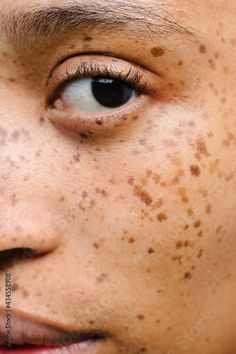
96	94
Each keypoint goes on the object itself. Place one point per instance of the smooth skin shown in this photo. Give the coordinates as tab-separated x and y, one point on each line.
132	221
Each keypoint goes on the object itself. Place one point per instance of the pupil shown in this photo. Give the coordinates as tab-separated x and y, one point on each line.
111	93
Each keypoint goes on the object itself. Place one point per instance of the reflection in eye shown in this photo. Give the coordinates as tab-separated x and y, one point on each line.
96	94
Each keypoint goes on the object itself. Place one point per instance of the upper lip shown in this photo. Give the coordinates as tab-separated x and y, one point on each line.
27	329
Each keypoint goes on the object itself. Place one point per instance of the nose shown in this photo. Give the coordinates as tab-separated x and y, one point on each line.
31	228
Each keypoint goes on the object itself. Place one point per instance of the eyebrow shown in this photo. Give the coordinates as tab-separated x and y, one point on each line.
111	15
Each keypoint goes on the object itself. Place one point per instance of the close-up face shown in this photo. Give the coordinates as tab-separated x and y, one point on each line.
118	176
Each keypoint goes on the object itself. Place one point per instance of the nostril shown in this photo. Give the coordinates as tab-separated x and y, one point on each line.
9	257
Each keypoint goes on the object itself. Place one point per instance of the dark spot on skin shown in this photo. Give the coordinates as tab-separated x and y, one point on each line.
200	253
142	195
190	211
101	191
211	64
11	79
84	194
131	240
182	192
187	275
195	170
180	63
88	38
96	245
161	217
62	199
134	118
159	203
15	287
158	51
177	259
102	277
203	192
84	135
186	227
151	250
197	224
98	122
140	317
25	293
15	136
202	49
41	120
180	244
156	178
200	233
76	157
143	350
201	147
13	199
208	208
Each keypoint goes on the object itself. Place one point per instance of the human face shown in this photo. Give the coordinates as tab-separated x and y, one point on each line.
118	220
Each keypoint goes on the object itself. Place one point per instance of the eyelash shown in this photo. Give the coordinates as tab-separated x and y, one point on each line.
133	78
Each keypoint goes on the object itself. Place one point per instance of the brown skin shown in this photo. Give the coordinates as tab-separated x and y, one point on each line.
136	223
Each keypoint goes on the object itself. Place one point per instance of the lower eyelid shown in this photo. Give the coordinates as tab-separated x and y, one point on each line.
98	124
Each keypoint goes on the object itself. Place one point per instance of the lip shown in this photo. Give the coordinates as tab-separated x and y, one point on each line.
34	335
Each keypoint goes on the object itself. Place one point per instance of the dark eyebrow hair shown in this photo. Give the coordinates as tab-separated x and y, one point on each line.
112	15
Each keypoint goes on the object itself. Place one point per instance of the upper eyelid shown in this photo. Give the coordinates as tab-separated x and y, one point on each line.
73	64
102	54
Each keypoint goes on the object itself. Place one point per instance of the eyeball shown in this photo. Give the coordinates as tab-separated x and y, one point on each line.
96	94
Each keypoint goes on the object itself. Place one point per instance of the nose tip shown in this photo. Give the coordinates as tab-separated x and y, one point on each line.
35	231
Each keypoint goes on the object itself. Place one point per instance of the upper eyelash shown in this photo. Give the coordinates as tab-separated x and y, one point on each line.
132	78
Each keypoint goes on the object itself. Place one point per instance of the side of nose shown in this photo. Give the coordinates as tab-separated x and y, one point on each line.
29	228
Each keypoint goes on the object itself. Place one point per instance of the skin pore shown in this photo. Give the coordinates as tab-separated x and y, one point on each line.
130	213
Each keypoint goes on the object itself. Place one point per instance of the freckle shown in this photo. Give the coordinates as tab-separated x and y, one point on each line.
134	118
156	178
187	275
200	233
200	253
102	277
98	122
161	217
131	240
186	227
76	157
62	199
88	38
178	259
190	212
201	147
197	224
25	293
158	51
182	192
216	55
180	63
158	204
223	100
101	191
41	120
96	245
84	194
218	229
208	208
131	180
11	79
142	194
203	192
151	250
15	287
84	135
195	170
135	152
211	64
202	49
140	317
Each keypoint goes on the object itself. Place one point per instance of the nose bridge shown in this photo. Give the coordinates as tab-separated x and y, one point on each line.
29	227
